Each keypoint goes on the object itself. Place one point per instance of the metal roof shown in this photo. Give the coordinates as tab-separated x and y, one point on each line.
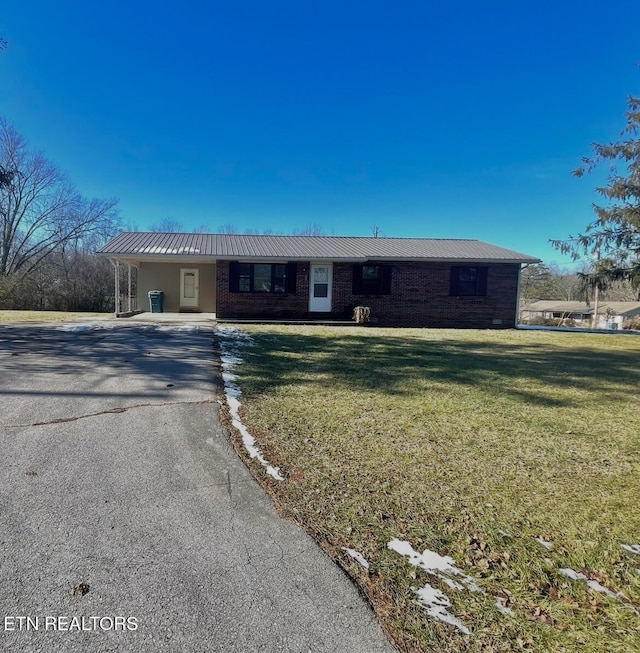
555	306
185	246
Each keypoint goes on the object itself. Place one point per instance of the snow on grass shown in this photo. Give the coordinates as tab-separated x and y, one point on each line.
239	338
545	544
444	568
357	556
436	604
502	606
230	340
595	586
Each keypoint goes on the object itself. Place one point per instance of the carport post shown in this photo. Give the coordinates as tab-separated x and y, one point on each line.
518	292
116	298
129	290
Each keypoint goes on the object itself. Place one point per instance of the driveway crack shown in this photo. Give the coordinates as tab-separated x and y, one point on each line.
111	411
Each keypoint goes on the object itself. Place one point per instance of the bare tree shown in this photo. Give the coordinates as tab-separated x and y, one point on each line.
258	232
5	177
40	210
167	225
312	229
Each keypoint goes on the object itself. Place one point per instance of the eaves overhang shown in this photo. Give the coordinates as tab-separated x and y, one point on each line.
194	258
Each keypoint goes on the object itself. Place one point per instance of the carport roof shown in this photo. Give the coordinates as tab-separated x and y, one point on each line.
555	306
191	246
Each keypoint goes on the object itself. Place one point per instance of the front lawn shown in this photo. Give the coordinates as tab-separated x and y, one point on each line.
8	317
516	453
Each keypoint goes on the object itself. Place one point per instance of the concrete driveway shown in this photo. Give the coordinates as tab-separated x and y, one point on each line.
127	522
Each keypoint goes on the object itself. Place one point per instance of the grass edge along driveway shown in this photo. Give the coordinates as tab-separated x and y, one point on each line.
510	457
11	316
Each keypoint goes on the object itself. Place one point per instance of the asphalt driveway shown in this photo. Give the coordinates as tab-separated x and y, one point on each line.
128	523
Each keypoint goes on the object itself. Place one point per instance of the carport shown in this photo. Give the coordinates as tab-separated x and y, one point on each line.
182	266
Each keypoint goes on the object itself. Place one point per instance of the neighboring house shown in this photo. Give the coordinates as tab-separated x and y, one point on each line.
404	281
611	315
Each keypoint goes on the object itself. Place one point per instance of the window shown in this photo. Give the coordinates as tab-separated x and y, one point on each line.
262	277
372	279
468	281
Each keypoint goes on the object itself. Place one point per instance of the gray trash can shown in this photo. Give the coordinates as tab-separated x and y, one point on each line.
156	301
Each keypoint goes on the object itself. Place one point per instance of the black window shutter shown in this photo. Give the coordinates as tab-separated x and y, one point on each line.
453	281
385	288
292	269
482	281
234	276
357	279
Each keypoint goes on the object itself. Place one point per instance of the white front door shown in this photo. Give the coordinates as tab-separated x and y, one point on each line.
189	283
320	282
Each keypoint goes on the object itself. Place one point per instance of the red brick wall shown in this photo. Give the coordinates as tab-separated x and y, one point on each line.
419	297
262	305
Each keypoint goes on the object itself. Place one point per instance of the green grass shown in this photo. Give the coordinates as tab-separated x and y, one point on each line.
446	439
8	317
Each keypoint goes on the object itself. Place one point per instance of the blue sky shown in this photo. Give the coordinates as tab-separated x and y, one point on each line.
430	119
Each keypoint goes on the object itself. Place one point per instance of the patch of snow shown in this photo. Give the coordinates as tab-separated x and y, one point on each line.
357	556
596	586
573	575
436	603
452	583
230	339
443	567
188	328
77	328
501	605
232	392
545	544
593	584
231	360
631	548
240	338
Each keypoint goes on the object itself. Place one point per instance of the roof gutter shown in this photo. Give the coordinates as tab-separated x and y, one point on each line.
193	258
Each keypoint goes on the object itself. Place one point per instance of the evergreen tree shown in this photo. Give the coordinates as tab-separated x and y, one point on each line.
613	238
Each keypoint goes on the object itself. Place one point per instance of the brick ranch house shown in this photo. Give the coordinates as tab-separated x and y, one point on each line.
420	282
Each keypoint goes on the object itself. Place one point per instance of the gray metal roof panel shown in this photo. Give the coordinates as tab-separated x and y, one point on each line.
155	244
620	308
